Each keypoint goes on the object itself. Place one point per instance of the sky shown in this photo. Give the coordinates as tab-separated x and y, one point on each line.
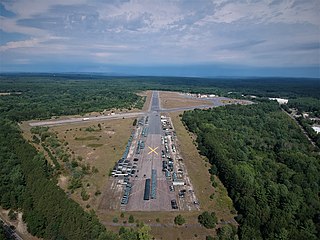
162	37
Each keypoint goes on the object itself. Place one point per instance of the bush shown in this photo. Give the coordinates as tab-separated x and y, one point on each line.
179	220
115	220
131	219
208	220
12	215
212	196
84	195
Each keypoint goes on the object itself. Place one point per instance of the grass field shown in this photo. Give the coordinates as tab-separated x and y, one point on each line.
176	100
101	149
98	148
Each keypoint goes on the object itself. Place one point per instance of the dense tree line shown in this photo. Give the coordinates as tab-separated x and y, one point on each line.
44	97
270	170
306	105
307	125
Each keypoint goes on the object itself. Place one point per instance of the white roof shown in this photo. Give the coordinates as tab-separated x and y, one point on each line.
317	129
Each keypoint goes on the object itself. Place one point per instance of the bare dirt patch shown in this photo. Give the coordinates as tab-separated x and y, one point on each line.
176	100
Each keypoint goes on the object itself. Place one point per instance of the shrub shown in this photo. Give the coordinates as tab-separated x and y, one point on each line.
84	195
179	220
131	219
208	220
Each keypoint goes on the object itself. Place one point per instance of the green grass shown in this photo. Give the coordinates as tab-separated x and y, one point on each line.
95	145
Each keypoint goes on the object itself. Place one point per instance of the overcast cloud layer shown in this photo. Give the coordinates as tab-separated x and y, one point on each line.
105	36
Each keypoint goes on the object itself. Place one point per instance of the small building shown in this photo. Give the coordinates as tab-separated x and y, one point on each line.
316	129
280	100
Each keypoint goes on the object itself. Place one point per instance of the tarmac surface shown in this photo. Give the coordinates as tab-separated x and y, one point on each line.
150	158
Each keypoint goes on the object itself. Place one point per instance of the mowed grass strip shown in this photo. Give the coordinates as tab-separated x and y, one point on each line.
95	145
147	94
198	170
88	138
176	100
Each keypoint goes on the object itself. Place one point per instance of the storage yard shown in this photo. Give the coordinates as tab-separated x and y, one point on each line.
151	175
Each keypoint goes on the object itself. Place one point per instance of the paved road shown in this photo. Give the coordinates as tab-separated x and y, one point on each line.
154	107
10	232
301	127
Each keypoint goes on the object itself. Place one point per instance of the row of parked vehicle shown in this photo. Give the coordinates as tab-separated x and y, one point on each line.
126	194
124	168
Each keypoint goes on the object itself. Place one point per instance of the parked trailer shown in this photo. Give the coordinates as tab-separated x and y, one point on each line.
147	190
178	183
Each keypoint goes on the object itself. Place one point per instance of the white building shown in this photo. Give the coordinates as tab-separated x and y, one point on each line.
280	100
316	129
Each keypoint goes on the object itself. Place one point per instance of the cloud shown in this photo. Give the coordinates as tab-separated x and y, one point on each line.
256	33
264	12
30	43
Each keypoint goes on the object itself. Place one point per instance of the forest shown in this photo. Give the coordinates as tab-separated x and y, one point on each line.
306	104
44	97
271	171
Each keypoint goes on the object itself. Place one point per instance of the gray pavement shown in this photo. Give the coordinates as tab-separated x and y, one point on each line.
149	160
85	119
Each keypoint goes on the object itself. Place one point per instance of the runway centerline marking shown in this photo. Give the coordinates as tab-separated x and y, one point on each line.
153	150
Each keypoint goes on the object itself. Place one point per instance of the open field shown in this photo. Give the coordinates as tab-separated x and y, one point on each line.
98	148
177	100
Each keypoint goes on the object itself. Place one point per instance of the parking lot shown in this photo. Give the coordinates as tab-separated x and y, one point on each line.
151	175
